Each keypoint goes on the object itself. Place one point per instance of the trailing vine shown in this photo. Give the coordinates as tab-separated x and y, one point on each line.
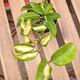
41	18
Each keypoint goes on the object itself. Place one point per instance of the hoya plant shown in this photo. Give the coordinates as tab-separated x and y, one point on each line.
41	18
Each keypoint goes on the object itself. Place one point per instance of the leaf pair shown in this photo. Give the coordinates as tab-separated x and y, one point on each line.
61	57
25	28
39	11
26	56
25	52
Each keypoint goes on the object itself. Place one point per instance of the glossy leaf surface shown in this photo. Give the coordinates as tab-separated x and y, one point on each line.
51	26
53	15
64	54
36	7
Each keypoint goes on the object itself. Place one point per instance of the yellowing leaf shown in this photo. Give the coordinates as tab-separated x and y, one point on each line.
23	47
45	39
25	28
39	28
22	25
26	39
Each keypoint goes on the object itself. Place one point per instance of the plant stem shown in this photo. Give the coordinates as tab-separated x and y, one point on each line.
49	61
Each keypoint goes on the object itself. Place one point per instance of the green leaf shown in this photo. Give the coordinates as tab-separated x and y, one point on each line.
23	47
20	20
64	54
22	31
48	8
43	71
43	5
54	15
27	56
45	39
27	15
51	26
26	7
36	7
